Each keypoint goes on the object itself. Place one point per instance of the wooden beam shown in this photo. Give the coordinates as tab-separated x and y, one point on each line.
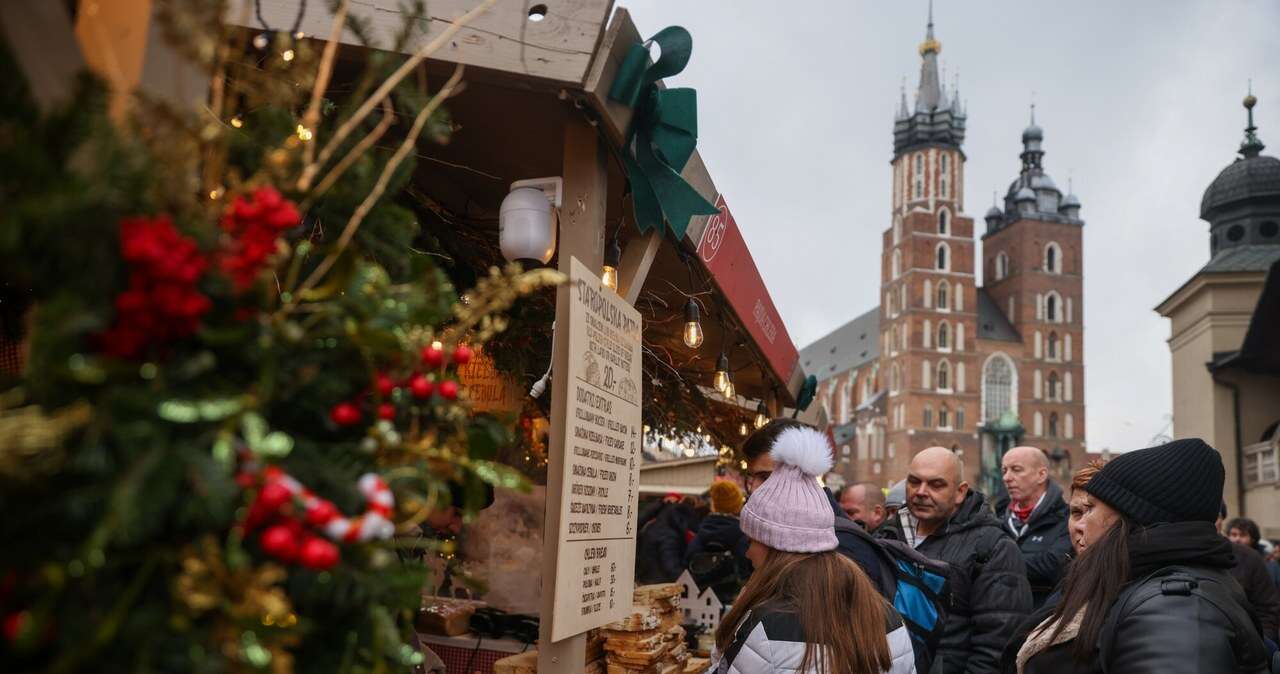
582	231
43	42
557	47
634	266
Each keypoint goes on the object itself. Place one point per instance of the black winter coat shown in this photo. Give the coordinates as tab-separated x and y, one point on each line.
1250	571
1044	542
856	547
660	545
721	532
989	591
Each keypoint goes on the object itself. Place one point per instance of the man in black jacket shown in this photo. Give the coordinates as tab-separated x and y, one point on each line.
1036	515
760	464
989	593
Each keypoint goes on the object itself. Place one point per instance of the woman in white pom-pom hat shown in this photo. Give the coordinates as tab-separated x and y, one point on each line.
806	608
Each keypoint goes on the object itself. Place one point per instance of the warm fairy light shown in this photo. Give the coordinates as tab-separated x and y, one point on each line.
692	325
437	345
304	133
762	415
729	391
237	121
287	55
722	373
215	193
609	277
742	429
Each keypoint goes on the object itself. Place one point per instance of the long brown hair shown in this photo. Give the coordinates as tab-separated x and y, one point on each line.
1092	585
839	610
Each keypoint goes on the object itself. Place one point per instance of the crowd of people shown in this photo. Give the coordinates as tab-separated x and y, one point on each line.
1133	569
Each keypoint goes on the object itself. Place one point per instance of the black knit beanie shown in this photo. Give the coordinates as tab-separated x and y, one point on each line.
1175	482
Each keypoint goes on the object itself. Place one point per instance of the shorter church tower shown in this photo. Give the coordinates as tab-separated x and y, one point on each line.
1033	272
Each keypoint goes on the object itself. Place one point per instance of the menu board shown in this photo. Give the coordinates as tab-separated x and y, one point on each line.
595	565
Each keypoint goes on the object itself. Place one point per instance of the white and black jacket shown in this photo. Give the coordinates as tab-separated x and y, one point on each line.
770	639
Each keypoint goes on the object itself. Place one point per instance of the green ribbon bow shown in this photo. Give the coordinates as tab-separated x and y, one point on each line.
664	126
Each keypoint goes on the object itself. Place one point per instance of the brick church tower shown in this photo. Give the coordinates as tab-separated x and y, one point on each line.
1033	271
928	313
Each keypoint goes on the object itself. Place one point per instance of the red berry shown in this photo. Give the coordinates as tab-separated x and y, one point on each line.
318	554
432	356
462	354
280	542
274	495
449	389
320	512
14	625
387	411
385	384
421	387
345	414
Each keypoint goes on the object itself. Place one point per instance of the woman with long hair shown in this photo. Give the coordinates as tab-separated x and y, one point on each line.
806	608
1150	590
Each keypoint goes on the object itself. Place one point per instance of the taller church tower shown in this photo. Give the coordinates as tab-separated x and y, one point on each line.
929	300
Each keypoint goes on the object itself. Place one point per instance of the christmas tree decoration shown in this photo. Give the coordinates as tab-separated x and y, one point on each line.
421	387
461	354
387	412
385	385
433	355
280	541
318	554
345	414
449	389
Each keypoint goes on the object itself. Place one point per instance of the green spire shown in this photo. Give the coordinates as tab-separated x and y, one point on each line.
1252	145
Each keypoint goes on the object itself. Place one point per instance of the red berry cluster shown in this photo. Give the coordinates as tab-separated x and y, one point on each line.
420	386
161	303
255	223
284	536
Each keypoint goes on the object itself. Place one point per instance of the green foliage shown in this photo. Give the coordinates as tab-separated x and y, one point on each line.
127	550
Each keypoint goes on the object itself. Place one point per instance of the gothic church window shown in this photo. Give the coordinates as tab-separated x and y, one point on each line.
944	296
1053	258
1053	346
944	336
943	376
1002	266
943	257
944	417
919	173
928	417
944	182
1053	308
944	222
1055	391
1053	424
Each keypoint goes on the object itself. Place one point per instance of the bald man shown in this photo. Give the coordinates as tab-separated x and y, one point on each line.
1036	515
989	591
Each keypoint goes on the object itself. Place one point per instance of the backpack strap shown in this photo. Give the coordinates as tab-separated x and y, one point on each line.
888	569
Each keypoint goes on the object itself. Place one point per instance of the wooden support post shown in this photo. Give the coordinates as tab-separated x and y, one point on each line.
633	269
43	42
582	232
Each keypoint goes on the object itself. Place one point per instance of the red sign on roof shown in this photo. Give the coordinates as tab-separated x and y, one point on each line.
724	253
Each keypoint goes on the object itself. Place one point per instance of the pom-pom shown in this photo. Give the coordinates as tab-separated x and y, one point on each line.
805	448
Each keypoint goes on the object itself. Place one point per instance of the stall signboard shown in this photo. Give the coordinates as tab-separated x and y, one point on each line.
596	543
725	254
488	390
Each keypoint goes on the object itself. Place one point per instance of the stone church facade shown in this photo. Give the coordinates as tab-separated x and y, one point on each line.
944	361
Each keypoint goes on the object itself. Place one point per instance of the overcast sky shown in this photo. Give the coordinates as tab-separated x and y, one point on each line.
1139	100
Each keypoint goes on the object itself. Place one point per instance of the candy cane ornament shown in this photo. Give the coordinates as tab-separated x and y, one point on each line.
373	524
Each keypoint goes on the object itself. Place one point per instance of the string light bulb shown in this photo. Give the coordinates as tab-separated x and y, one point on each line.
287	55
729	391
742	429
692	325
612	256
762	415
304	134
237	122
721	380
260	41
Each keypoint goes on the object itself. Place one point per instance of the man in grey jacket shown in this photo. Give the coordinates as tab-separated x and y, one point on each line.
989	590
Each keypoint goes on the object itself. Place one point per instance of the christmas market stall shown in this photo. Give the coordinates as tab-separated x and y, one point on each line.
334	335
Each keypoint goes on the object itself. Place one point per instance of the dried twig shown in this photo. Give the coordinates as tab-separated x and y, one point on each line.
311	118
308	173
388	116
376	193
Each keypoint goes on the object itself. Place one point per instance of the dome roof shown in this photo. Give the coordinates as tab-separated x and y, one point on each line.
1025	194
1244	179
1071	201
994	212
1042	181
1032	132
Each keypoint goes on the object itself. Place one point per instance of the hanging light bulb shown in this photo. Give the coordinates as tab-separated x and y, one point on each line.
261	40
729	392
237	121
692	325
288	55
612	255
722	372
742	429
762	415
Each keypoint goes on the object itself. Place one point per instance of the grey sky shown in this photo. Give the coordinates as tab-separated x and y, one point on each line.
1139	100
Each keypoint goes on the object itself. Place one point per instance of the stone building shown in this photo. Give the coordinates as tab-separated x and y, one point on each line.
1225	333
943	360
